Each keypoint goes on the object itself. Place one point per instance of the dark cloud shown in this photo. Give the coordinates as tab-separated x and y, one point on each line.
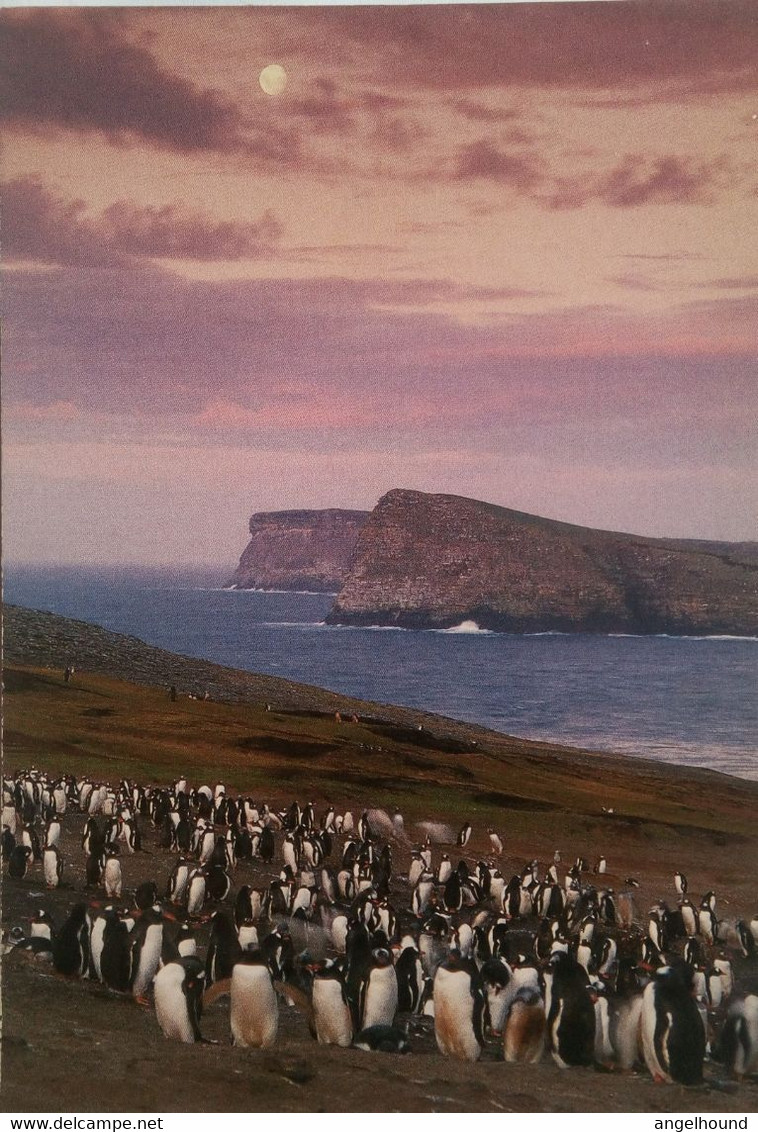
40	226
74	70
482	158
661	180
638	180
732	283
709	46
145	342
632	283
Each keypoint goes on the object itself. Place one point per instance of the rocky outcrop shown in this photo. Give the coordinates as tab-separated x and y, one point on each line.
299	550
435	561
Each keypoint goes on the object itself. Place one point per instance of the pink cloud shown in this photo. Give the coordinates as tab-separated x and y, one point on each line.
41	225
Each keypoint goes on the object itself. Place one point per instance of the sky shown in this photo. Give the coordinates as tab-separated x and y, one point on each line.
505	251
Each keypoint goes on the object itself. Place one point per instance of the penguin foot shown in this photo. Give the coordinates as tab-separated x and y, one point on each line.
142	1000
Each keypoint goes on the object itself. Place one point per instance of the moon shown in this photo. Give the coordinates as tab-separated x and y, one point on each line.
273	79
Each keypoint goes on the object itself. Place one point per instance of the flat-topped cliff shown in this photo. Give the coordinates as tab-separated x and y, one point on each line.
299	550
434	561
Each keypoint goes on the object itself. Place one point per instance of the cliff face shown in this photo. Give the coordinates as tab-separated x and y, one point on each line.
299	550
433	561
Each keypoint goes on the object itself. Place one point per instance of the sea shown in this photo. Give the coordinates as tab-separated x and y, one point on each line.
685	700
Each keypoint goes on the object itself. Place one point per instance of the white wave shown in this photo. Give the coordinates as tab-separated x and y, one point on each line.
465	627
291	624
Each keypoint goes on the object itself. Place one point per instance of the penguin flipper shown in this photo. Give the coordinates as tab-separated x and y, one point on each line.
301	1001
218	990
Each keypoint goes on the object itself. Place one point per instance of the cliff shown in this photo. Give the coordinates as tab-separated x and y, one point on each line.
298	550
434	561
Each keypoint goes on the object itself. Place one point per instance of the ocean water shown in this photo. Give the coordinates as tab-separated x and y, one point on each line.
680	699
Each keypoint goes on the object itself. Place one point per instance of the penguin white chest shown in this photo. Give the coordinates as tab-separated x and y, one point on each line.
171	1008
149	959
332	1014
50	862
254	1010
454	1015
381	998
112	877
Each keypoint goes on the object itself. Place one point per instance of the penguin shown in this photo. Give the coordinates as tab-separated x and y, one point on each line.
497	976
71	944
378	994
254	1014
115	960
495	842
739	1040
146	895
459	1008
410	977
416	869
147	946
96	936
332	1016
266	845
18	861
177	882
680	883
218	883
186	944
385	1039
178	990
52	865
111	875
524	1033
223	949
52	832
195	892
42	926
673	1039
464	835
247	936
571	1015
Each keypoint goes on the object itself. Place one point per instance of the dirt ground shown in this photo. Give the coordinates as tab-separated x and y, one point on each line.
74	1046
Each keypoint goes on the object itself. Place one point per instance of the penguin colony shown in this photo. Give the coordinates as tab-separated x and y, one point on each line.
547	962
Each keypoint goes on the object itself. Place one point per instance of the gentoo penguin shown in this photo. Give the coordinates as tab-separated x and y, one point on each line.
496	977
385	1039
223	949
254	1014
524	1033
178	989
195	892
332	1016
571	1017
378	995
410	977
186	944
42	926
177	882
115	960
52	832
147	946
459	1008
680	883
71	945
739	1040
465	835
146	894
18	861
111	875
673	1039
417	869
495	842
